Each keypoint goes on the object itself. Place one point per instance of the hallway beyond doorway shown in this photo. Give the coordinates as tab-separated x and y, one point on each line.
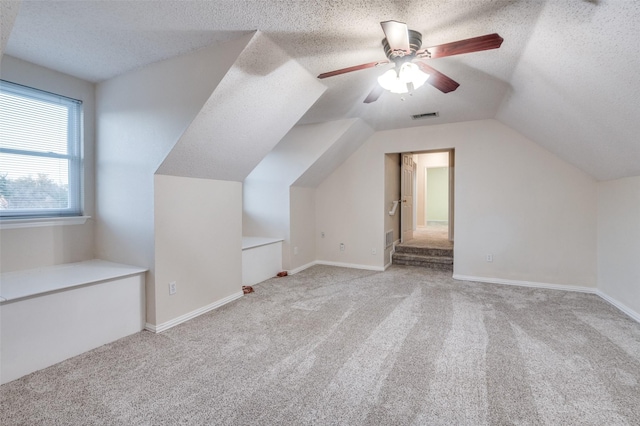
430	236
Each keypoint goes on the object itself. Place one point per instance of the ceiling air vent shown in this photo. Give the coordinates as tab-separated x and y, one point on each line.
425	115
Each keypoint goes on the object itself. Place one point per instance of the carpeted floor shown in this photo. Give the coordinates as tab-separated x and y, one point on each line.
340	346
432	236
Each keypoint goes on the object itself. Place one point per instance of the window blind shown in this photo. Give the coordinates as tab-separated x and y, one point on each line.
40	153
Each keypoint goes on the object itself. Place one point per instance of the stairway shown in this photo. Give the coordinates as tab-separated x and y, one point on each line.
432	258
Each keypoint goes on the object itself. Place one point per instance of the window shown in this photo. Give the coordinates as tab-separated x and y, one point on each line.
40	153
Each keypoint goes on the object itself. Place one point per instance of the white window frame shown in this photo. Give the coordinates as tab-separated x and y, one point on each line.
73	157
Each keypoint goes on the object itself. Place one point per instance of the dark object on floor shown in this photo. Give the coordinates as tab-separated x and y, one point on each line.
246	289
282	274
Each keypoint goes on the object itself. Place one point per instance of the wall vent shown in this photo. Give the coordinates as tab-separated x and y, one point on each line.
388	239
425	115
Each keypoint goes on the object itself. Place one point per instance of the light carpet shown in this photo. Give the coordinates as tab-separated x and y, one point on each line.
342	346
432	236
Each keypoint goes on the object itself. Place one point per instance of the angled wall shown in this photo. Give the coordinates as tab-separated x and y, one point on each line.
336	153
307	154
257	102
185	120
198	192
266	189
140	117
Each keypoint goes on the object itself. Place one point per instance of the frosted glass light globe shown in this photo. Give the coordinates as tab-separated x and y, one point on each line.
398	82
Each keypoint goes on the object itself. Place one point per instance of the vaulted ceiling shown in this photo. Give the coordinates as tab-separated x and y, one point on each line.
566	75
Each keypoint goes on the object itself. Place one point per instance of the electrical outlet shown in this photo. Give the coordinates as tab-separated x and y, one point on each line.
172	287
296	251
489	258
341	246
374	251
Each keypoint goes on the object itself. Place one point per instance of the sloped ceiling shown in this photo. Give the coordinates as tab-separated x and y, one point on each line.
340	149
576	88
566	75
231	135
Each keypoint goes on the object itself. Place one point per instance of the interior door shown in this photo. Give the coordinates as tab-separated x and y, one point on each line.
406	193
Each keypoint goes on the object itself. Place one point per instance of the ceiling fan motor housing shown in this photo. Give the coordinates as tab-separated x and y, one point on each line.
415	42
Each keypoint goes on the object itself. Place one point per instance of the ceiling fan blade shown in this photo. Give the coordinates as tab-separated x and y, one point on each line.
374	94
475	44
437	79
350	69
397	34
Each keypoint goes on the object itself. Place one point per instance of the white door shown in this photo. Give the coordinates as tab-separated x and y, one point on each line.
406	193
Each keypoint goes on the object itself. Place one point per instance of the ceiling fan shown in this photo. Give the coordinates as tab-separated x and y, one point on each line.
402	47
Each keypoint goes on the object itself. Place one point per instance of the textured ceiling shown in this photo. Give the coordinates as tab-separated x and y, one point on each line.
8	13
576	90
566	75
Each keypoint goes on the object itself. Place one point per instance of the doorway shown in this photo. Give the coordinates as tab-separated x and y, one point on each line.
427	201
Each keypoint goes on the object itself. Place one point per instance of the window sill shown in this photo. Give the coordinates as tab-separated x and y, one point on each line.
42	221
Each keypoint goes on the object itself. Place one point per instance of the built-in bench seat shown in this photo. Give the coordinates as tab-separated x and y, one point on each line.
53	313
261	259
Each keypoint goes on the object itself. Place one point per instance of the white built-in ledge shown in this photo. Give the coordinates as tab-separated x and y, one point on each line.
35	222
34	282
261	259
53	313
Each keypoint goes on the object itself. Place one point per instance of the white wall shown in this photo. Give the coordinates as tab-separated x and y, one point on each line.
52	245
535	213
198	239
266	212
619	241
303	226
350	209
141	115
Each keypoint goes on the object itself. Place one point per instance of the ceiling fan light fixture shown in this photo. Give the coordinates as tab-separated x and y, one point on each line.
398	82
390	81
411	73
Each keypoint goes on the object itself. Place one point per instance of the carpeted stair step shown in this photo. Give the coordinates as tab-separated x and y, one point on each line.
424	251
442	263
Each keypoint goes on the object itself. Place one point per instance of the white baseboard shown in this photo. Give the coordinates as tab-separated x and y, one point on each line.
627	310
519	283
186	317
350	265
301	268
592	290
338	264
